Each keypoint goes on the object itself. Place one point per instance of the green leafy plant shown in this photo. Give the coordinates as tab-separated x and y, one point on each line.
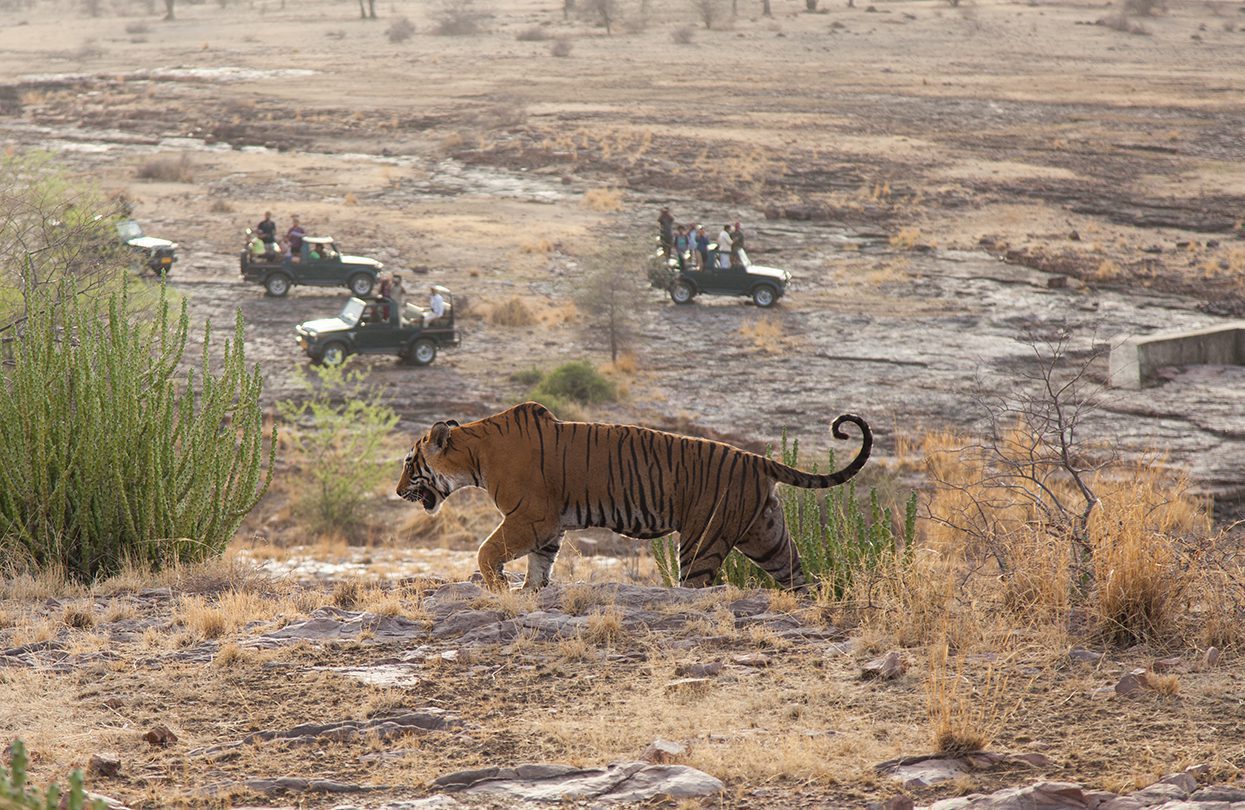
15	794
336	434
110	455
836	535
568	387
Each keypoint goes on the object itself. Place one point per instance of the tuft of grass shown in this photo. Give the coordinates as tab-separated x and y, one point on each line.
906	238
534	33
79	615
604	200
561	48
347	594
167	169
512	312
966	713
605	627
683	35
400	30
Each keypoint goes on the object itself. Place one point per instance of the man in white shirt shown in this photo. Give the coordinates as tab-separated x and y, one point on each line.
724	248
436	307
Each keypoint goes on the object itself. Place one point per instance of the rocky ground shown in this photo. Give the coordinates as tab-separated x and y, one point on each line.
225	686
941	181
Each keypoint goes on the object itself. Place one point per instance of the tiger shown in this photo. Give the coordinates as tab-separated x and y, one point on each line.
547	476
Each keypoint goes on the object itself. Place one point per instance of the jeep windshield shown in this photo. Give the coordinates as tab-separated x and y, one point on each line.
352	312
129	230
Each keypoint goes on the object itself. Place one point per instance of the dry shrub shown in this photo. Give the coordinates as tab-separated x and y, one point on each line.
577	598
683	35
911	603
906	238
1145	538
79	615
347	594
219	206
1107	271
1144	8
459	18
605	627
541	246
231	611
1120	21
765	333
534	33
967	710
1139	536
229	655
167	170
561	48
512	312
350	199
400	30
627	364
137	28
603	199
1168	685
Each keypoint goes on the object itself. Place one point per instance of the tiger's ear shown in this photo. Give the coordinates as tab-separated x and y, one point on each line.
452	422
440	435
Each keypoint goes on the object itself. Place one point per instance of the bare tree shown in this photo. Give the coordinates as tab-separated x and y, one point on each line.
766	11
606	12
369	12
609	297
168	5
709	11
567	7
1035	464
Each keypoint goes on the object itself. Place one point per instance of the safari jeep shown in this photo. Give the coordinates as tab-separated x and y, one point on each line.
318	264
377	326
157	255
764	285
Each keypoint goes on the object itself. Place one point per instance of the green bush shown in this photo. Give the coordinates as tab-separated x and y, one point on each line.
109	456
529	376
16	795
336	434
576	382
837	537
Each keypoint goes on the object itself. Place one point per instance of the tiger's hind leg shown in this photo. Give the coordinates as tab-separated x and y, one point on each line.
768	544
540	563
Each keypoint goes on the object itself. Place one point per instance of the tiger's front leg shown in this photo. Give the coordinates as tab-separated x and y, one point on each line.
509	541
540	563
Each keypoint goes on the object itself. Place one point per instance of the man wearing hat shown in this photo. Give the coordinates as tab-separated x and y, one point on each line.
666	221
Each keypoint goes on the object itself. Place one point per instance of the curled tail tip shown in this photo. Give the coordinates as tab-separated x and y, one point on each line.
837	428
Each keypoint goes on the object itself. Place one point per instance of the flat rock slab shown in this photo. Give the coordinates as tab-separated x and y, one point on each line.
386	727
619	782
1042	796
923	771
335	624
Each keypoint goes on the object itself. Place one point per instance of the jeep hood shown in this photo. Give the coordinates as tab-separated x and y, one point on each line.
361	260
150	243
769	272
324	325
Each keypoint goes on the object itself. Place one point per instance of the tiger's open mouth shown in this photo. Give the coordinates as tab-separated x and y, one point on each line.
428	497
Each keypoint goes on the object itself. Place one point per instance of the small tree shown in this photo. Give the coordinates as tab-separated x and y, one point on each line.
609	297
766	11
369	12
709	11
605	12
567	7
336	435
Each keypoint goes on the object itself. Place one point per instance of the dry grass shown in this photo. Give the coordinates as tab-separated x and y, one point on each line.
231	611
511	312
79	615
905	238
967	712
605	627
605	200
766	334
167	169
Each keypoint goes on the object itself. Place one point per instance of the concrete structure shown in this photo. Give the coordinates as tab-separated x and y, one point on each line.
1134	362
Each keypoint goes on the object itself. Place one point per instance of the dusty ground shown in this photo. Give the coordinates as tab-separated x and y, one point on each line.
923	171
776	705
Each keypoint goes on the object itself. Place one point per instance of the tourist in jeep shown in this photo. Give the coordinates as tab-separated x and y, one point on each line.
294	237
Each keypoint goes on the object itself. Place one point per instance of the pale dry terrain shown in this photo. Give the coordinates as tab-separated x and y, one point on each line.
929	174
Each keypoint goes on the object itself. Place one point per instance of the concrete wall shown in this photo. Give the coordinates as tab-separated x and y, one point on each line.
1135	361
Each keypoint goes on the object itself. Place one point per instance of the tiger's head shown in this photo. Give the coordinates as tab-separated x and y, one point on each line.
430	472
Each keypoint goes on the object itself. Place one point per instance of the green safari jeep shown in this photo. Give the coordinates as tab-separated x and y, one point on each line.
379	326
318	264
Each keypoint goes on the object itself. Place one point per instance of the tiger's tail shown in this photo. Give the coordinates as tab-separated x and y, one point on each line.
799	478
